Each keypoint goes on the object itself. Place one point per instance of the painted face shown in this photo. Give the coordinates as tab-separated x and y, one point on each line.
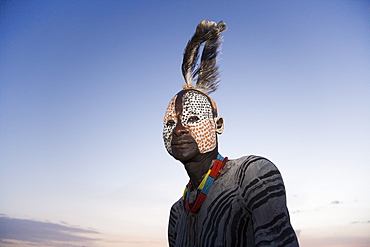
192	111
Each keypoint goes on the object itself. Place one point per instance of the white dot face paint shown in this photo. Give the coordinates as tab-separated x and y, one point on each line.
196	117
167	126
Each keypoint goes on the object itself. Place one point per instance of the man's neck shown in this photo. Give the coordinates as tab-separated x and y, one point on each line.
199	166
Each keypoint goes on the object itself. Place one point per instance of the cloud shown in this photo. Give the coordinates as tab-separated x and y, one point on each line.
360	222
42	232
336	202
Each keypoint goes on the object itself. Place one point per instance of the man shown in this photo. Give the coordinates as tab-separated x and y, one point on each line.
227	202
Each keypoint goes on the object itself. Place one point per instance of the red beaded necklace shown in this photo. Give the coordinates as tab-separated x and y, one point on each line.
204	186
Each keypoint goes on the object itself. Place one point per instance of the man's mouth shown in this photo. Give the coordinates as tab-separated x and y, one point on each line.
181	143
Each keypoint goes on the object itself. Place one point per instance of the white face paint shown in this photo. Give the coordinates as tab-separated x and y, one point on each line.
169	123
196	117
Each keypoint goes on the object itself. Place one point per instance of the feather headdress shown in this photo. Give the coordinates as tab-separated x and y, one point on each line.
206	73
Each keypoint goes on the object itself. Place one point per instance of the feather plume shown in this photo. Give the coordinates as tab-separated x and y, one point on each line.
208	75
207	72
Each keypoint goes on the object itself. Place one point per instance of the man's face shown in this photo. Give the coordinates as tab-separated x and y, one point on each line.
189	127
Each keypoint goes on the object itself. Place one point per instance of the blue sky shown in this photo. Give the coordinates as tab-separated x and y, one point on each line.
83	90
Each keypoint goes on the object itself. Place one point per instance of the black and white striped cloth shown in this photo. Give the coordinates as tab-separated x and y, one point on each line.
246	206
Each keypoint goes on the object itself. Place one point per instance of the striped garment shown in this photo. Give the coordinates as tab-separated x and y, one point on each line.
246	206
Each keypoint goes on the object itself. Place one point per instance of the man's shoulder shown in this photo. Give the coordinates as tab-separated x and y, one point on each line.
251	167
177	205
249	159
252	162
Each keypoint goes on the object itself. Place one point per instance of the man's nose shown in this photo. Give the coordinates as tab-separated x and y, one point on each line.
179	130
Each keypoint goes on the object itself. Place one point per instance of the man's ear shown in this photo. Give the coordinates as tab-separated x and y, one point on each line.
219	122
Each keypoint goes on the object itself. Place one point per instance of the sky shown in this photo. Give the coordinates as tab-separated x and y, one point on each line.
83	90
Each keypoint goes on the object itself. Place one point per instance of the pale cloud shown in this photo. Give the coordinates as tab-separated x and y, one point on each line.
38	233
336	202
33	233
360	222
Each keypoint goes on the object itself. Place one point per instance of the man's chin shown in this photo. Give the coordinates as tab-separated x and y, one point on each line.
184	155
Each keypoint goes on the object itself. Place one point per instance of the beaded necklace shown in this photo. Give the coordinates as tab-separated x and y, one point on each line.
204	186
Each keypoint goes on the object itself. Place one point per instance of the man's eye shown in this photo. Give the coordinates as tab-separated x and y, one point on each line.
193	119
170	123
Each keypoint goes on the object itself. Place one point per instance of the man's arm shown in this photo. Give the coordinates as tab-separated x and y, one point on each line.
172	225
263	194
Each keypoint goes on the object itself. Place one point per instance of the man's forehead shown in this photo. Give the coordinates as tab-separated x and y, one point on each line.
190	101
192	98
